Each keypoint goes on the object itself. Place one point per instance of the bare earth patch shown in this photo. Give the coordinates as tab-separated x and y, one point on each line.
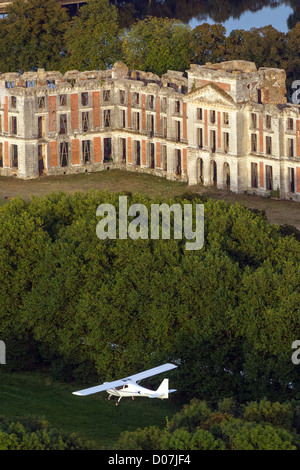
281	212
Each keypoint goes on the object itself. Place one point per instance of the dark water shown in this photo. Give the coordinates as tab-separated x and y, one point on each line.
233	14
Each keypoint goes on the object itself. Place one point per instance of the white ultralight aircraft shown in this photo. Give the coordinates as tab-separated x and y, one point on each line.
128	387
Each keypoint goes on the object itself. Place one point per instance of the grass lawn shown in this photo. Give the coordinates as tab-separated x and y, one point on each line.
277	211
93	417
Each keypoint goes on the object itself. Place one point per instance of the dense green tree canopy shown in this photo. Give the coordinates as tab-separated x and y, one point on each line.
106	308
157	45
32	36
226	427
92	39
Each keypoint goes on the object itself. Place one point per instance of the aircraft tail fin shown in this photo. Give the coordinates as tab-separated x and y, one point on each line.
163	390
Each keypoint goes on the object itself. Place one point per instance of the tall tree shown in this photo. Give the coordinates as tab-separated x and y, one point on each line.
93	37
32	35
157	44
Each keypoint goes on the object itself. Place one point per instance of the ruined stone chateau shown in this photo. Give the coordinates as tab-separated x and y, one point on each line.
224	124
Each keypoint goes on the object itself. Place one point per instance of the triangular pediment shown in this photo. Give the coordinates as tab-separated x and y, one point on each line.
210	93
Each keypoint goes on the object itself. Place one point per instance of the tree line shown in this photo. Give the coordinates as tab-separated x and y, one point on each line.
93	310
40	34
262	425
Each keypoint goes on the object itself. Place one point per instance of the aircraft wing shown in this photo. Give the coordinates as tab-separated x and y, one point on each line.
151	372
132	378
100	388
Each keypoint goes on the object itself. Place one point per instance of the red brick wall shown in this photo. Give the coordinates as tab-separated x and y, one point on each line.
52	113
97	149
158	157
74	111
96	109
261	174
53	154
144	125
75	152
298	179
144	154
129	149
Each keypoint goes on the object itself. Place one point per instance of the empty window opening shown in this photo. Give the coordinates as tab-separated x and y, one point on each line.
14	156
51	84
63	127
122	96
177	130
151	101
84	98
64	154
253	120
62	100
41	102
290	124
269	177
268	145
226	142
152	155
30	83
85	121
107	121
107	150
106	96
150	124
123	149
253	143
291	172
178	162
41	127
225	119
213	169
212	116
13	102
136	121
136	98
290	147
200	137
268	121
41	158
86	151
199	114
254	175
14	128
138	152
123	117
177	106
200	170
213	141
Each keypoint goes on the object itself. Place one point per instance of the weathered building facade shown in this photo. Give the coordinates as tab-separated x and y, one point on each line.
222	124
